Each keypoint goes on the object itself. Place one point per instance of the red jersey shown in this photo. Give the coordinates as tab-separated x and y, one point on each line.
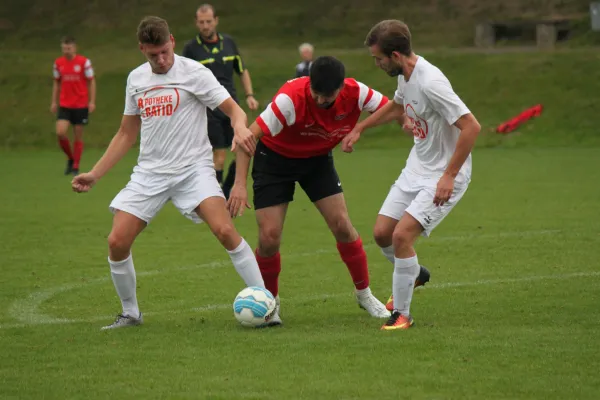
295	127
73	76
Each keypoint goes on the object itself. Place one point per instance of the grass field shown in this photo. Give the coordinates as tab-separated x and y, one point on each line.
511	311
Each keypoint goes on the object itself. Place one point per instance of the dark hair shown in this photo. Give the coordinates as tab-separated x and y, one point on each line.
206	7
153	30
390	35
67	40
326	75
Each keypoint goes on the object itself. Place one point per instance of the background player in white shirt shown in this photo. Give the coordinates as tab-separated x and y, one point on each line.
438	169
167	98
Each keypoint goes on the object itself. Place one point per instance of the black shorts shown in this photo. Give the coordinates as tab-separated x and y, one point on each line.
275	177
76	116
220	132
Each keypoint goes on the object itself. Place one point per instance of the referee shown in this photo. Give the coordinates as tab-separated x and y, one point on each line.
219	53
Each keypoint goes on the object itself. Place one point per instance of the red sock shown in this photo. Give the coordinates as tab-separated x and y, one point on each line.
77	150
65	146
270	267
354	256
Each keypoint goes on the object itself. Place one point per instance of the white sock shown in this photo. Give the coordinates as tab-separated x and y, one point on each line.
364	292
245	264
405	272
123	276
388	252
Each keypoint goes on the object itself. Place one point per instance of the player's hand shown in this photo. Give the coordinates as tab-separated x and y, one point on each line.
238	201
252	103
408	126
350	139
444	190
243	137
91	107
53	108
83	182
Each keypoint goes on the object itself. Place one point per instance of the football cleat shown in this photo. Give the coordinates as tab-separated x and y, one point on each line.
368	302
398	321
124	321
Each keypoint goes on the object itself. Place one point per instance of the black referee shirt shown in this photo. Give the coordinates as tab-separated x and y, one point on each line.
221	57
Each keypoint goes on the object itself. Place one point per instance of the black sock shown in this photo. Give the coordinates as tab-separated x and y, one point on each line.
230	179
219	176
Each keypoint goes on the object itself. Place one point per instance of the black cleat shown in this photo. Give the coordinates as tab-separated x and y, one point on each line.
69	168
423	277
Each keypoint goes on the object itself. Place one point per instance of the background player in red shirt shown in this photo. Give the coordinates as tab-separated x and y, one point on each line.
308	117
73	98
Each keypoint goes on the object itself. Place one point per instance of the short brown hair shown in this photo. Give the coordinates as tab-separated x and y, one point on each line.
390	35
207	7
153	30
67	40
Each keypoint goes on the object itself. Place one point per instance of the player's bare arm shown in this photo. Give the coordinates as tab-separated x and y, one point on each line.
391	111
247	84
469	130
55	94
238	198
242	135
124	139
92	94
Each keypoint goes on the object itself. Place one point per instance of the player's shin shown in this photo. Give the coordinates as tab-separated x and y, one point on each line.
123	277
354	256
270	268
406	271
245	264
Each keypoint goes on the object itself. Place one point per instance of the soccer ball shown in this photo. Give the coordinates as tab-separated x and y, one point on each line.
253	306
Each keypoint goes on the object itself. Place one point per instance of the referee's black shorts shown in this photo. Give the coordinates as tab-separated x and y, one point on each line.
275	177
220	132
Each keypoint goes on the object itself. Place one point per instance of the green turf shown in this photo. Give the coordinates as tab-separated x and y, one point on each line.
511	311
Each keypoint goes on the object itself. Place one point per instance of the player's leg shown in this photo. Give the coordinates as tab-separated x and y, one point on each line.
62	130
229	179
392	210
420	218
217	141
323	187
133	208
80	119
198	196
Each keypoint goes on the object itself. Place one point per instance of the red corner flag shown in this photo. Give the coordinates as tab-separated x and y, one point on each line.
514	123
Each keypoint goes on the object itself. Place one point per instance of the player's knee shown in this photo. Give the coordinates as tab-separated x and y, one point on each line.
224	232
342	228
402	239
118	245
382	236
269	240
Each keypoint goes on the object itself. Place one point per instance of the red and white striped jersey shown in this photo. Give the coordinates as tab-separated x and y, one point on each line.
295	127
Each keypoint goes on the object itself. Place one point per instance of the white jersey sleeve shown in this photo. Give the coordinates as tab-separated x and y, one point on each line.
207	89
88	70
368	99
440	94
131	107
278	114
55	72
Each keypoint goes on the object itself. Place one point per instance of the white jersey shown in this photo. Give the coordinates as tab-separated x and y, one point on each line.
433	107
172	107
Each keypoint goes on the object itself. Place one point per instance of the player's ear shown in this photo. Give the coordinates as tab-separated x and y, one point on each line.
216	21
172	38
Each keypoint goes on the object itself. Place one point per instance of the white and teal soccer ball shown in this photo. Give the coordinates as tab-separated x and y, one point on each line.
253	306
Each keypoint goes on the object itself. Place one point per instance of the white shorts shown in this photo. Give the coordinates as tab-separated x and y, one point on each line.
146	193
414	194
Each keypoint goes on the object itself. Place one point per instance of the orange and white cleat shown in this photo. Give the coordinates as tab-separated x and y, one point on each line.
398	321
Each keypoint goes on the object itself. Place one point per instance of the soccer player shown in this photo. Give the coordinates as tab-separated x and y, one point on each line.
73	98
167	99
438	169
219	53
307	118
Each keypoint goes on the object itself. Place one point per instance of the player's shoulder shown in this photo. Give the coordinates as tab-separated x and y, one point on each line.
138	75
60	60
295	87
188	67
429	75
80	58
